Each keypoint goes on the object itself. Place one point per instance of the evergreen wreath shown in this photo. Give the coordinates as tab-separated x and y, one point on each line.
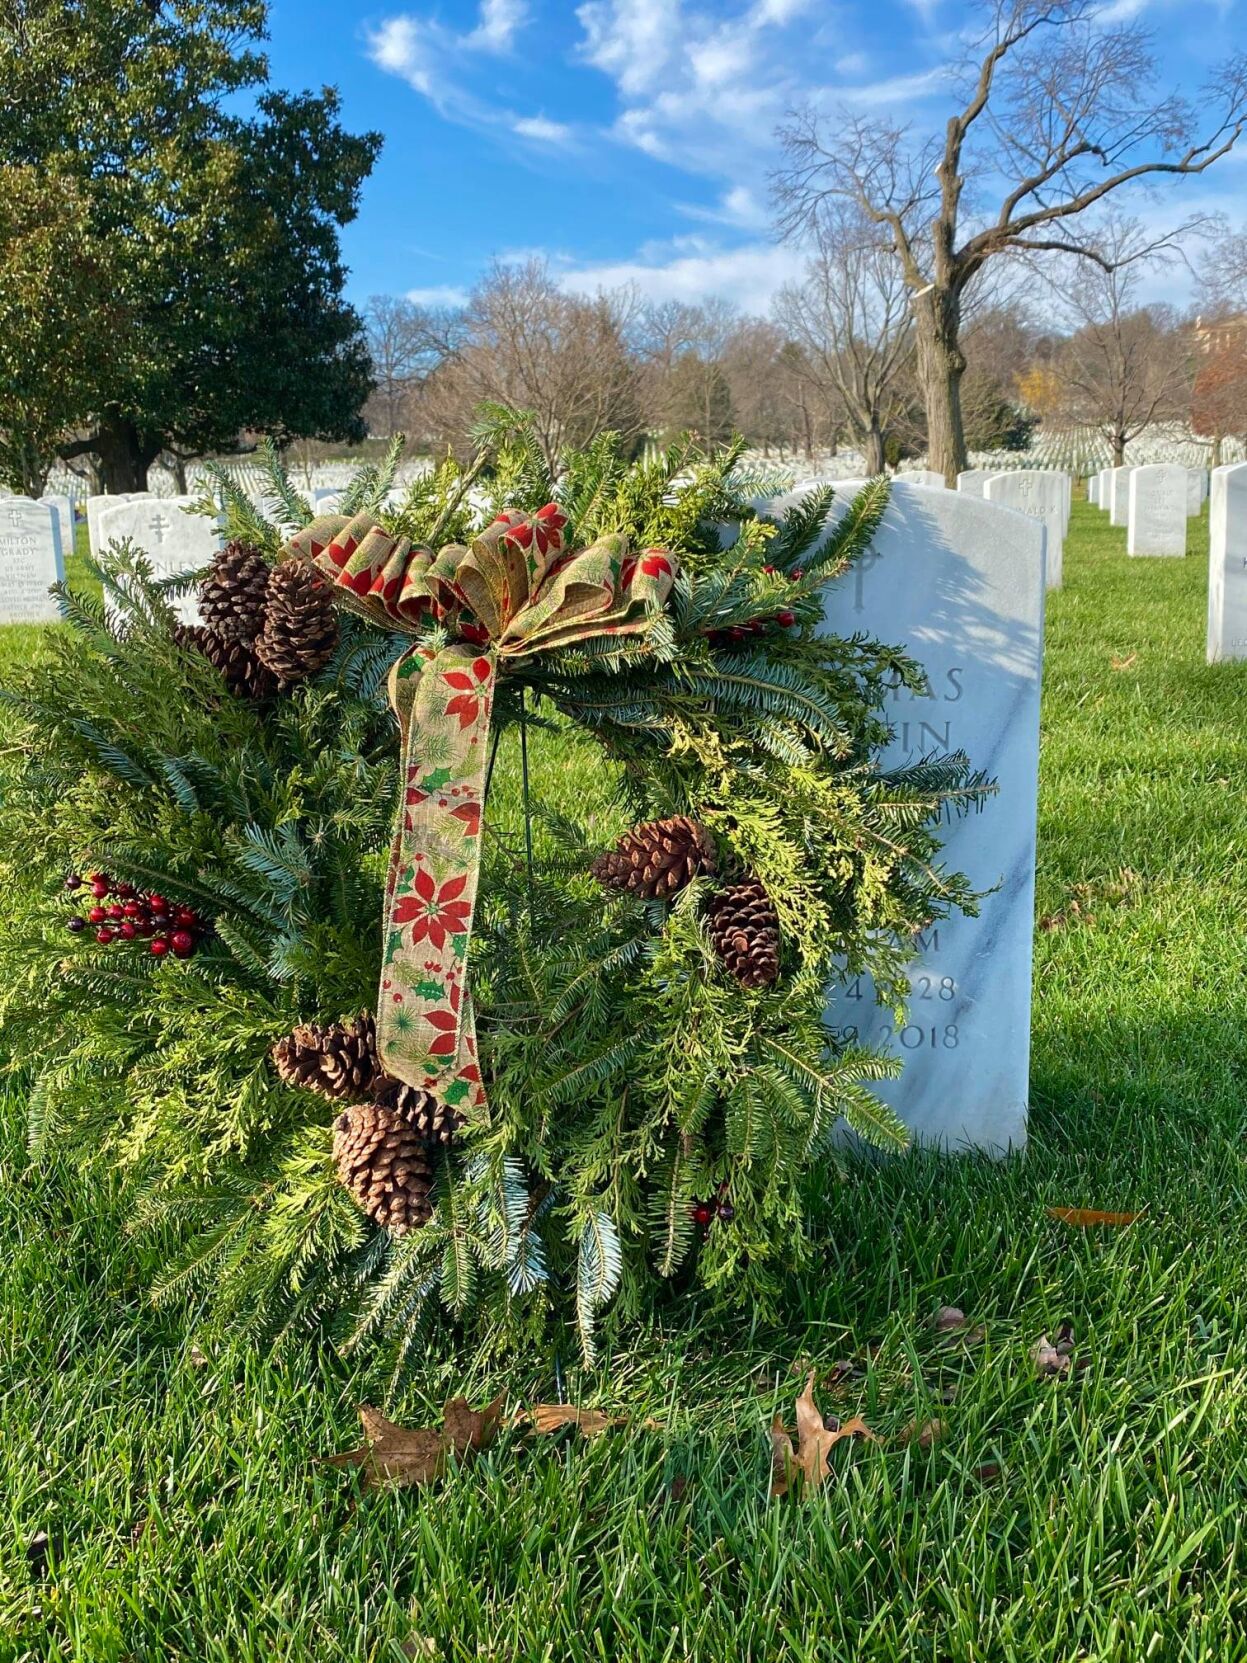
657	1084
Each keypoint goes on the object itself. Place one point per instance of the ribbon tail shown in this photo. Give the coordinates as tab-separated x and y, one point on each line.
426	1034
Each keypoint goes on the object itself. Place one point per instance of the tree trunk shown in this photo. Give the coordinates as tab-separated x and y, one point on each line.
876	460
1119	450
941	365
125	454
1214	461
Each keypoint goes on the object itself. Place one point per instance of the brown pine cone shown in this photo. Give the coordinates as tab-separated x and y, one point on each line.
657	858
338	1061
386	1167
428	1117
232	596
300	628
238	664
744	929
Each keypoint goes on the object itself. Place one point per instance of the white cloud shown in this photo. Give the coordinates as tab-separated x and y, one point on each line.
692	271
439	294
738	206
897	89
539	127
500	22
852	63
630	40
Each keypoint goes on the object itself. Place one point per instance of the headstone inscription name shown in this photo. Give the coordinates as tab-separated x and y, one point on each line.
31	561
961	585
1227	563
173	540
1041	496
1157	511
1119	495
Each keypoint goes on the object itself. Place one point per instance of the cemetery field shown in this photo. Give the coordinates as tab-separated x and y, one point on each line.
1095	1512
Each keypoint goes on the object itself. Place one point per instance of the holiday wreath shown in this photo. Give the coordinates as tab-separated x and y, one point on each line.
642	825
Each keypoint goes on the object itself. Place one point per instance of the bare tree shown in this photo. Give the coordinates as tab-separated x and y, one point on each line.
684	350
406	343
1062	109
851	318
1126	364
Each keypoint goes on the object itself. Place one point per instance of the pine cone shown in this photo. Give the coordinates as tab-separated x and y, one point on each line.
244	674
385	1166
428	1117
338	1061
657	858
231	597
745	931
300	625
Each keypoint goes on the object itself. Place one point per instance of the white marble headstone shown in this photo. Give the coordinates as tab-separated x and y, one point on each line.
65	521
1104	496
96	505
173	540
1194	491
960	584
1041	495
1157	511
1119	495
1227	563
972	480
923	476
1093	490
31	561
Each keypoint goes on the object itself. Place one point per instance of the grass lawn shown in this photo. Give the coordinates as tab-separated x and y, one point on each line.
1093	1516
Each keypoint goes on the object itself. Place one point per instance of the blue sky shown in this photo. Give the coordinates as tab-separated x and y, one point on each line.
630	140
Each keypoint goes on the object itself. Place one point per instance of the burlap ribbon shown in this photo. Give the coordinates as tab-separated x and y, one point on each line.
513	593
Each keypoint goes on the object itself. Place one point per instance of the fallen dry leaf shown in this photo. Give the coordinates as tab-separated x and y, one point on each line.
988	1471
394	1456
925	1435
420	1645
1084	1217
1048	1358
948	1318
549	1417
1123	663
815	1442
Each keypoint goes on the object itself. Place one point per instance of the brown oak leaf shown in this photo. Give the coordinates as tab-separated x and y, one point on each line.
549	1417
393	1456
808	1463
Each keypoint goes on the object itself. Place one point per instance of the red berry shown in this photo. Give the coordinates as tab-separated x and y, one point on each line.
145	926
702	1214
736	633
184	952
770	570
97	915
160	946
132	909
125	890
157	903
99	888
185	917
785	620
796	574
128	930
114	911
103	937
181	941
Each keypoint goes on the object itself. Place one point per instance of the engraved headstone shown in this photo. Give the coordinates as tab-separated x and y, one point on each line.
1227	563
96	505
1157	512
972	480
1119	495
960	583
31	561
1041	495
173	540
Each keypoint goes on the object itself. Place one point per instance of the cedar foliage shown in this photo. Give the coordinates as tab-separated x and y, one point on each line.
628	1073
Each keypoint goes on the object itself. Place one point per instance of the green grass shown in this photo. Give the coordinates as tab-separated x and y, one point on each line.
187	1518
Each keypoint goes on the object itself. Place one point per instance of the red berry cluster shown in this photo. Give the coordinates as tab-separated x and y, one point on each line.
705	1212
757	626
123	913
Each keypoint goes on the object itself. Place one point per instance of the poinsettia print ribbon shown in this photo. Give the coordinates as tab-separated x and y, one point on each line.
515	591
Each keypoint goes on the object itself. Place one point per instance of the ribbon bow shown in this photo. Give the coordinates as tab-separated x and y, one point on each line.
512	593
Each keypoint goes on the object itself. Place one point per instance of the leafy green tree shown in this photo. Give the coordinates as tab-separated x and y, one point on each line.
216	227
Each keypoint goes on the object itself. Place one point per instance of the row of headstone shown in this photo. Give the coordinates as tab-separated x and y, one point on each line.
1042	494
1227	563
960	582
1156	509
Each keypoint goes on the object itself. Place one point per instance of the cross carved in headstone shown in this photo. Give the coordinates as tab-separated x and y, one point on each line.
159	526
15	519
863	566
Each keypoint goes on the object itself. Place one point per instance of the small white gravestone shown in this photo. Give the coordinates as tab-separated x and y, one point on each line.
1104	496
1227	563
173	540
31	561
1039	494
1093	490
923	476
972	480
325	499
1067	499
1157	512
1119	495
96	506
961	586
1194	491
65	521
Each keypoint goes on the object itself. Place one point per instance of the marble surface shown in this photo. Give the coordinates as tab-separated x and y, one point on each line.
1227	563
95	506
972	480
1156	517
174	540
1040	494
923	476
31	561
1118	495
64	520
960	582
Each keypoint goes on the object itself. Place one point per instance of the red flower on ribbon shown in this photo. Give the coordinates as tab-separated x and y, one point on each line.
434	913
544	528
470	814
445	1044
656	563
466	704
